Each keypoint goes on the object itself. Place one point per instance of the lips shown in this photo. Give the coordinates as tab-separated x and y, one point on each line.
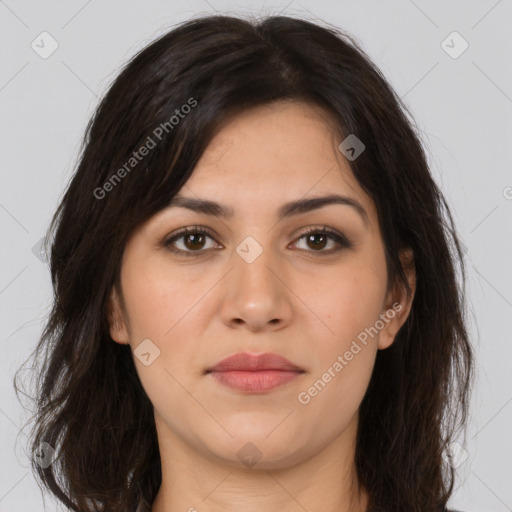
254	373
247	362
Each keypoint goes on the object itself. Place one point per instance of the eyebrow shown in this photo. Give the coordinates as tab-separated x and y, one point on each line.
298	207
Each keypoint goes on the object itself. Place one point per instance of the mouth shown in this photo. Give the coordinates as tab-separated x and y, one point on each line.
255	381
254	373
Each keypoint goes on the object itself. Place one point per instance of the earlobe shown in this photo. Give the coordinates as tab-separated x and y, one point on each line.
399	301
117	324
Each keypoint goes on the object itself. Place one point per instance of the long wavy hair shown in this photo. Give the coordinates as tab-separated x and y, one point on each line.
88	403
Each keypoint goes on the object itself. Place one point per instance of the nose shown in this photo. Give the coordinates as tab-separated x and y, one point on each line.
256	296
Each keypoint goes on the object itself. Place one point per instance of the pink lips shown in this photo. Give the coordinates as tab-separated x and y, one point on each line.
254	373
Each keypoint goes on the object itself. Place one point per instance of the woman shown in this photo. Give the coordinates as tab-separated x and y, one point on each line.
257	293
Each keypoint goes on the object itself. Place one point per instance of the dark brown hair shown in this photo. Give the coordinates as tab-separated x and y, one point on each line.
89	403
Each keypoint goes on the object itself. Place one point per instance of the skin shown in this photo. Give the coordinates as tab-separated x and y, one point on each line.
295	300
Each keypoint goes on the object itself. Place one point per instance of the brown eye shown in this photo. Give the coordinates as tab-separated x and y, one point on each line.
317	240
189	241
194	241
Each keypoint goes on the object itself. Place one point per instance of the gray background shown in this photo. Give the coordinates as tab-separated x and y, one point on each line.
462	105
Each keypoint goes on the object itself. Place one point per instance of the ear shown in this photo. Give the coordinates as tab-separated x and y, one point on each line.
115	314
398	302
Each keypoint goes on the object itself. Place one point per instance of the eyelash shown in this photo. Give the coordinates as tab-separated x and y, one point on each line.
339	238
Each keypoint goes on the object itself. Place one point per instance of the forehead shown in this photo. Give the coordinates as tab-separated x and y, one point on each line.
271	138
275	153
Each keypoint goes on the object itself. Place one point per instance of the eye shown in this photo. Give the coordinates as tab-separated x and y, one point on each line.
194	240
319	238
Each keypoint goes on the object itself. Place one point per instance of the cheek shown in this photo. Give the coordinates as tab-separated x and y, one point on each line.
166	306
349	303
163	307
346	299
158	300
335	393
350	306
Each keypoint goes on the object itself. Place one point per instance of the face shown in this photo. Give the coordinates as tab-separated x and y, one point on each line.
307	283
